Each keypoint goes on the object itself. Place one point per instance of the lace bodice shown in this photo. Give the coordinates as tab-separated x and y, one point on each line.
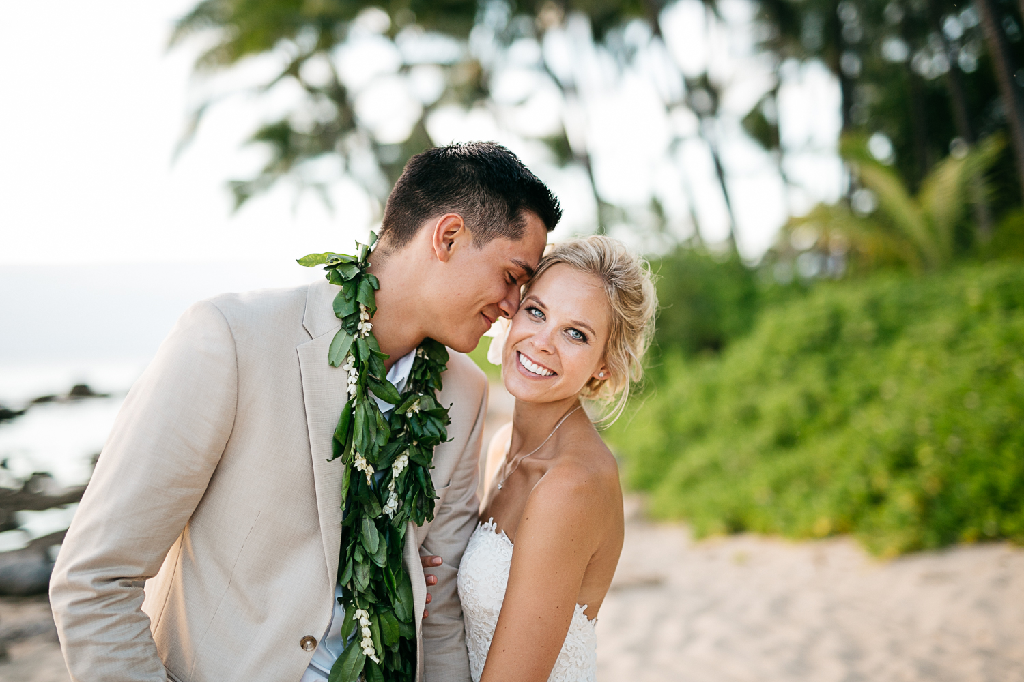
483	577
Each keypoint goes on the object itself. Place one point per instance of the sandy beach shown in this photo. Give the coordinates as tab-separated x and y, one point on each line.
748	608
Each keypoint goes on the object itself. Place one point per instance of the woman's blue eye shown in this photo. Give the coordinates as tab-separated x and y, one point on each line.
535	313
577	335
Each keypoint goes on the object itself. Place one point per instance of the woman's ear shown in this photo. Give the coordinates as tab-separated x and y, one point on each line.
449	229
602	373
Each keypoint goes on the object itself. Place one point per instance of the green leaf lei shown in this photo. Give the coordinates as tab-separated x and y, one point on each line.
386	481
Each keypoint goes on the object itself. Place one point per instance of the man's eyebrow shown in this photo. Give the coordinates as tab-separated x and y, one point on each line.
525	266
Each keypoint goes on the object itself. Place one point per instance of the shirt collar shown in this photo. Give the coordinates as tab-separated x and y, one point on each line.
398	375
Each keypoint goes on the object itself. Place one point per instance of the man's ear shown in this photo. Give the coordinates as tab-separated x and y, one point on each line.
448	230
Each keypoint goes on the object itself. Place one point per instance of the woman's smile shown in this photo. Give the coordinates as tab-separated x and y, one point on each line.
531	368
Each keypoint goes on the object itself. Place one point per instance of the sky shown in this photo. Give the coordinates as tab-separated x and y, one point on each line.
95	106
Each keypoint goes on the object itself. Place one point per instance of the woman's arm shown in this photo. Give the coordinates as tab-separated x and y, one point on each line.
561	529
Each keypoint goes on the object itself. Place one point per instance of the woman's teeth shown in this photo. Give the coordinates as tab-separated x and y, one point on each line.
533	367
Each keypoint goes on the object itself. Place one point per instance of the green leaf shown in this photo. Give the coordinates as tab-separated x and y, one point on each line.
370	536
375	633
314	259
372	672
346	481
388	453
389	628
404	604
349	665
344	423
365	295
346	573
435	351
361	575
377	367
361	430
380	557
344	306
374	282
346	270
340	345
404	406
384	390
407	630
349	626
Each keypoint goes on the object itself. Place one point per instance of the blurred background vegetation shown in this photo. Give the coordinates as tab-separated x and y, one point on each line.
866	374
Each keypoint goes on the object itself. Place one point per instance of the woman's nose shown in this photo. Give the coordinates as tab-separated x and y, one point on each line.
542	338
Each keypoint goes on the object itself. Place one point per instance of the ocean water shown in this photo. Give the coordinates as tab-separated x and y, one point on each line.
98	325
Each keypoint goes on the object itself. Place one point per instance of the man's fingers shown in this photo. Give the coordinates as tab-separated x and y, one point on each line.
425	613
431	561
428	597
431	580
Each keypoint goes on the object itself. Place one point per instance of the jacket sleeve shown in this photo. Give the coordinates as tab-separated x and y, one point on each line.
445	657
153	471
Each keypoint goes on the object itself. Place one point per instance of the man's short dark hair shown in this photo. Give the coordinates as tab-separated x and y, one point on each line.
483	182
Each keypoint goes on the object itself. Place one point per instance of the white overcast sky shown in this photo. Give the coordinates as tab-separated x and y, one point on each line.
93	105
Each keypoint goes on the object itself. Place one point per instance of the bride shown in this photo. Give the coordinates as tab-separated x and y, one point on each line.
534	575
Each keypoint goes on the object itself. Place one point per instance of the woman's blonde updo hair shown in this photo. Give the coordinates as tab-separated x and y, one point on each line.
630	289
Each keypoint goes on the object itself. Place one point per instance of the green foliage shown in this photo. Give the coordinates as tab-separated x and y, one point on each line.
891	408
706	301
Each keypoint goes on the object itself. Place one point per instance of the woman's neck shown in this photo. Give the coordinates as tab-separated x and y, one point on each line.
532	422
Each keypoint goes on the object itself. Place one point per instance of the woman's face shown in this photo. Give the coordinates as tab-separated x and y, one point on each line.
557	339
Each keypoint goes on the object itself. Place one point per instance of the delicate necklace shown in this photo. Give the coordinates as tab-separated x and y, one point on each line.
518	461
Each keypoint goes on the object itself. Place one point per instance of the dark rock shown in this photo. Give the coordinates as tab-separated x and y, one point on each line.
44	399
25	579
7	414
85	391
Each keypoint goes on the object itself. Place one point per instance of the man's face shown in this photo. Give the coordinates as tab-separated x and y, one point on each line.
484	284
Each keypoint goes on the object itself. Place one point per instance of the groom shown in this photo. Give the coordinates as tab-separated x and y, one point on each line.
206	546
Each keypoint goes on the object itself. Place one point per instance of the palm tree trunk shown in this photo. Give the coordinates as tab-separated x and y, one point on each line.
653	17
962	119
1004	77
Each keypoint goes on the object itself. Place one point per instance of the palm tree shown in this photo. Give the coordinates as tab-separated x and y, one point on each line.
914	231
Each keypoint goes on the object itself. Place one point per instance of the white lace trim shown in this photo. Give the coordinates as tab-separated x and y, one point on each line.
483	578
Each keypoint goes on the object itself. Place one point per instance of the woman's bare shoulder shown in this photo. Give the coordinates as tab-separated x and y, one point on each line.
583	479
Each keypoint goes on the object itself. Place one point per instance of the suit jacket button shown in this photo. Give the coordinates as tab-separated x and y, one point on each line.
307	643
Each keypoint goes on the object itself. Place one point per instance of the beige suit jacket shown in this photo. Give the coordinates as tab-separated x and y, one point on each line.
215	494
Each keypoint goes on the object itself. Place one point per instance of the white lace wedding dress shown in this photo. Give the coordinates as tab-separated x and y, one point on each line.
483	576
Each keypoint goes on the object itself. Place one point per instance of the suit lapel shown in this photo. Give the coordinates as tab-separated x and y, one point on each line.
323	394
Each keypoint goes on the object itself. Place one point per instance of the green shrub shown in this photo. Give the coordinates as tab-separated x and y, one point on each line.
891	408
706	302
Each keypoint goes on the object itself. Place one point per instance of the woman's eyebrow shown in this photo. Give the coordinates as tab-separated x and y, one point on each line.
579	323
527	268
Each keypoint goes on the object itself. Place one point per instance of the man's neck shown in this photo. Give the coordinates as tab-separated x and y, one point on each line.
395	324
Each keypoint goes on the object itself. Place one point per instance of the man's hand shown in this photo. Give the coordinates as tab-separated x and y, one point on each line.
430	562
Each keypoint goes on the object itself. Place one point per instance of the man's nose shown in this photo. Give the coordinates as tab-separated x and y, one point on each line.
510	304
